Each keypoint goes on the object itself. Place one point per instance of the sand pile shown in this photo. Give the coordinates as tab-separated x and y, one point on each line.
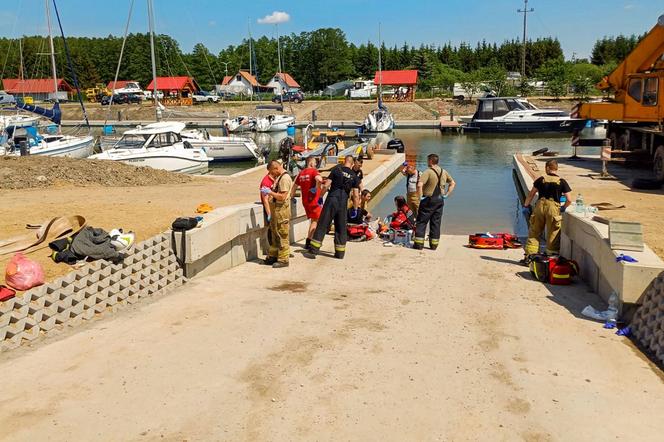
42	171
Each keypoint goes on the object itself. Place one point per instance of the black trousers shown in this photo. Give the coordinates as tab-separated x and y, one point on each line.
334	210
430	213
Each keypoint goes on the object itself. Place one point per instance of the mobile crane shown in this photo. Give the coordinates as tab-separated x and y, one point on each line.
635	113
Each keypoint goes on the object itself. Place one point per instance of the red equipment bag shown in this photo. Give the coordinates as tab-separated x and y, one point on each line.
562	270
356	230
509	241
482	241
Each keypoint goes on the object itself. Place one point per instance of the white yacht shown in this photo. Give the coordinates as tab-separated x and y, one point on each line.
518	115
379	120
231	148
274	123
241	123
160	146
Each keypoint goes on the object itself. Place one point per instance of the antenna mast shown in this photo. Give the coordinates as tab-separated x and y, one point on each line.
525	12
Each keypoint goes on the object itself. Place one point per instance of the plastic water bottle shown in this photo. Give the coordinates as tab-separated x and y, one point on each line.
614	305
579	208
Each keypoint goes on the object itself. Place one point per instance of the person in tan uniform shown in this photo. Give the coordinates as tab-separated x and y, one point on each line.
434	186
280	210
548	211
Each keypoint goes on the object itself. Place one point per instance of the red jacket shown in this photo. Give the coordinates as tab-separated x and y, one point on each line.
403	218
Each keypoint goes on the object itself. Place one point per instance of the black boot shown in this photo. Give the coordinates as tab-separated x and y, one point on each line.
307	244
269	261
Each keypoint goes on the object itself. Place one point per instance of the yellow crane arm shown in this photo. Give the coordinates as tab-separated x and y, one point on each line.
647	55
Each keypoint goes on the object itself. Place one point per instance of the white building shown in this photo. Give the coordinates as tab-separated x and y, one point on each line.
283	82
243	83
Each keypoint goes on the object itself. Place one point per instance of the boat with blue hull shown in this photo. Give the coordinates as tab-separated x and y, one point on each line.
518	116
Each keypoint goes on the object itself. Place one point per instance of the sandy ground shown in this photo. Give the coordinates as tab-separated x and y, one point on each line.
644	206
389	344
337	110
146	210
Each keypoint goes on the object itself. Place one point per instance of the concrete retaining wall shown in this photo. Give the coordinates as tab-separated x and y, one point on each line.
100	287
586	241
230	236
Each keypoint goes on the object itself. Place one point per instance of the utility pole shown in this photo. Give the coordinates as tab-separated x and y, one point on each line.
525	12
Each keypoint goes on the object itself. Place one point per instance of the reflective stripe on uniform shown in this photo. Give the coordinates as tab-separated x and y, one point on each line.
339	248
316	243
419	240
434	241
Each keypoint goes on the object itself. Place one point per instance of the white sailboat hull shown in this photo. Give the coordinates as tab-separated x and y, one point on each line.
278	123
226	148
66	146
385	124
179	160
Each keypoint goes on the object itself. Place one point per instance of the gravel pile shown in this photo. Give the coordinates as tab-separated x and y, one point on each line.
42	171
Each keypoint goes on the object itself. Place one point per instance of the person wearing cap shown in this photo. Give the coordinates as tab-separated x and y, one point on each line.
412	177
279	196
434	187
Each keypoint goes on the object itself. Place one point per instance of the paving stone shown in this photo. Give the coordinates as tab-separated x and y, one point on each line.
7	306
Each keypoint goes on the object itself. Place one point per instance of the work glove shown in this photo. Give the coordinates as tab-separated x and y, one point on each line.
269	218
526	211
444	197
265	190
405	163
562	209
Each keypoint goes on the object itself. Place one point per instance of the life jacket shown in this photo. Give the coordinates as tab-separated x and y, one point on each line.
403	218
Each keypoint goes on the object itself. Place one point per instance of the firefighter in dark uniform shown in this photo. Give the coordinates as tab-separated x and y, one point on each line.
548	211
341	184
431	189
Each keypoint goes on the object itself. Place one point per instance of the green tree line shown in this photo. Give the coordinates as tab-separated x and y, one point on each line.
315	59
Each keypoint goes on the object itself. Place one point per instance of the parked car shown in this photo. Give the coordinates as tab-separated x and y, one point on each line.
6	98
294	96
204	97
121	99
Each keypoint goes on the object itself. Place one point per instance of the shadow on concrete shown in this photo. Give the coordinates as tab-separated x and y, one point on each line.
573	297
500	260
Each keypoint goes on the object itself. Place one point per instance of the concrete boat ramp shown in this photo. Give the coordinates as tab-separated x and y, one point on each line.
390	344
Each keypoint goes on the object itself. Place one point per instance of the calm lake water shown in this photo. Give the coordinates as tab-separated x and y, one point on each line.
485	198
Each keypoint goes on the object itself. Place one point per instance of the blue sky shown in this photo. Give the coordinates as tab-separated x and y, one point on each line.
218	23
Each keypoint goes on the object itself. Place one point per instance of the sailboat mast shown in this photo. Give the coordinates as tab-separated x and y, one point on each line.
250	53
278	48
50	41
380	68
154	62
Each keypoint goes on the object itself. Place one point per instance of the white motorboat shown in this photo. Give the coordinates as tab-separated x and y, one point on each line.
160	146
379	120
54	145
518	115
231	148
274	123
241	123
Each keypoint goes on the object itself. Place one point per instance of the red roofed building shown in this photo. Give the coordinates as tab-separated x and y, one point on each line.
405	83
177	90
283	82
39	88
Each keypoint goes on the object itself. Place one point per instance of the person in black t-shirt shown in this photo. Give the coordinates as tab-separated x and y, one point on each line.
341	184
548	211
